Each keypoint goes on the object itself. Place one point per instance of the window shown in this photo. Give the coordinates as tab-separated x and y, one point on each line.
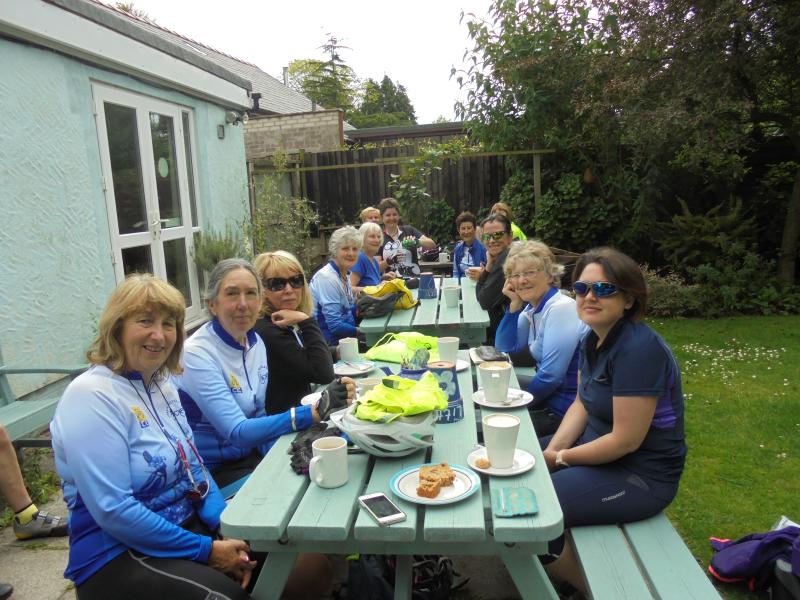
147	162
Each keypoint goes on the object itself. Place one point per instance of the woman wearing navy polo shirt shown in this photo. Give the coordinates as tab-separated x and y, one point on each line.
619	452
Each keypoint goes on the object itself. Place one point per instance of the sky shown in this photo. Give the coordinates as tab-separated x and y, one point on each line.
414	42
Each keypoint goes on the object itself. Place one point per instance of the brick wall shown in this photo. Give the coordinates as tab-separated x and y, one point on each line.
312	131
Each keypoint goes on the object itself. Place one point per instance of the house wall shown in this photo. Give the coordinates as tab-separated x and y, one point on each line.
310	131
55	249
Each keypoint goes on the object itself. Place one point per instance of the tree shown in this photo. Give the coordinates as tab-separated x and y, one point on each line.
329	83
649	101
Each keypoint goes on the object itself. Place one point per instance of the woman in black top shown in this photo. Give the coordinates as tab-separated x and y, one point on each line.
297	354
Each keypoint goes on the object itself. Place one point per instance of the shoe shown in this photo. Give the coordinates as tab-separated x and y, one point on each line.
5	590
41	525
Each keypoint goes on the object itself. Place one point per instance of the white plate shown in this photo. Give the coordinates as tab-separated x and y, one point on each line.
518	398
473	354
461	365
354	368
523	461
405	482
311	399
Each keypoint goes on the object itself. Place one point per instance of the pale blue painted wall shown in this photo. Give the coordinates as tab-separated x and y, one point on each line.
55	249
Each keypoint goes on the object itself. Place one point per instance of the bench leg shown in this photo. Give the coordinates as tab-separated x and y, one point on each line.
529	577
403	577
274	575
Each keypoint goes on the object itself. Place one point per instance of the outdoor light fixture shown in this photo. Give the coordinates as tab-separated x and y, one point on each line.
232	117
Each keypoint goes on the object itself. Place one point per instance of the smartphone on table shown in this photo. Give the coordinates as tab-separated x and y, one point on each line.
380	508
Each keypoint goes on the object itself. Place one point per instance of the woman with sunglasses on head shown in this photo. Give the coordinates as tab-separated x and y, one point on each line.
490	278
295	346
143	509
542	321
619	452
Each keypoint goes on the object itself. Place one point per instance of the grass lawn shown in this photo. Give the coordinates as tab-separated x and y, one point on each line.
741	378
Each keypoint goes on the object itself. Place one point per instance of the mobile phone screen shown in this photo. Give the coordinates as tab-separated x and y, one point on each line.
381	506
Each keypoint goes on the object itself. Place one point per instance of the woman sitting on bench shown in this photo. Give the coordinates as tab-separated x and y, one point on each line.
143	509
619	452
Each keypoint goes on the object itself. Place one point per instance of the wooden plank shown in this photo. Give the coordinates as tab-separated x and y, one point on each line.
449	315
25	417
673	571
611	571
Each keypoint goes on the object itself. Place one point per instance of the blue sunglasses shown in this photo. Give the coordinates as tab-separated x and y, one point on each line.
600	289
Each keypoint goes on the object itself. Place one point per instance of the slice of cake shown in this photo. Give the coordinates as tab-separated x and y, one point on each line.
428	489
441	473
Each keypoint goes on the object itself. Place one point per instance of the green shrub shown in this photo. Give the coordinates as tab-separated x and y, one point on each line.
441	221
210	247
670	295
517	192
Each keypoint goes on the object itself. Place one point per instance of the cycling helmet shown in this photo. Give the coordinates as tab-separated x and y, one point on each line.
399	437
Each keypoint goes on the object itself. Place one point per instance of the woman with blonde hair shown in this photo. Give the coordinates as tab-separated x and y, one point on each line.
295	346
143	507
370	215
370	268
544	321
501	208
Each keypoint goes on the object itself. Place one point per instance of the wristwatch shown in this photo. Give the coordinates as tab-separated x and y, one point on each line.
560	462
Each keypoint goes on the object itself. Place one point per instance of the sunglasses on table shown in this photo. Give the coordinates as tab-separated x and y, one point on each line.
600	289
198	491
276	284
496	236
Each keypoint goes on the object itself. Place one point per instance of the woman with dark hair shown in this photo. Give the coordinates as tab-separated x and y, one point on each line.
490	277
501	208
400	242
469	252
619	452
143	508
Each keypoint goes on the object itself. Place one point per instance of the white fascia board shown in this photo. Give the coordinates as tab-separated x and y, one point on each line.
53	27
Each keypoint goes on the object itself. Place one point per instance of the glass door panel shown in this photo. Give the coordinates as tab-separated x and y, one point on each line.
126	168
137	259
162	133
177	267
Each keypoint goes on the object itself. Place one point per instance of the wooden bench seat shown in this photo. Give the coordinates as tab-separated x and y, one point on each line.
645	559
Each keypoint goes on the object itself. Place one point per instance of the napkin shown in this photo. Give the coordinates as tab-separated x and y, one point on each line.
514	502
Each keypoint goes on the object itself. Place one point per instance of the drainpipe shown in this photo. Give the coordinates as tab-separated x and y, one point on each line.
285	75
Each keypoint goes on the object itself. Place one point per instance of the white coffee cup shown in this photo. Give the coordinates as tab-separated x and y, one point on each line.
448	349
328	467
495	376
366	384
444	257
500	438
348	349
451	293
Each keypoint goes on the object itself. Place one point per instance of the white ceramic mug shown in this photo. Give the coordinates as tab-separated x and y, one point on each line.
495	376
500	438
444	257
348	349
328	466
366	384
448	349
452	293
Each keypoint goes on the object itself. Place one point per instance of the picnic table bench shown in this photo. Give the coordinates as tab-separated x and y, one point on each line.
25	416
467	321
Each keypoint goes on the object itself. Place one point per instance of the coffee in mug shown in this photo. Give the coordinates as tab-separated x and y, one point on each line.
328	466
348	349
494	377
500	438
448	349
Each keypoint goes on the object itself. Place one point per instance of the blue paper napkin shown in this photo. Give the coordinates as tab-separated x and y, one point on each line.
514	502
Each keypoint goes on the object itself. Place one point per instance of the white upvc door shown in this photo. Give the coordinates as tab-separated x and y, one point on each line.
146	153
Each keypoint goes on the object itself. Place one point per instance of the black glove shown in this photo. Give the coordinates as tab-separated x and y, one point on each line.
332	399
301	451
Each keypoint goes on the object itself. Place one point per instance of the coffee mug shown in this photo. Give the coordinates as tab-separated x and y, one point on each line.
365	385
448	349
348	349
444	257
451	295
500	438
495	376
328	466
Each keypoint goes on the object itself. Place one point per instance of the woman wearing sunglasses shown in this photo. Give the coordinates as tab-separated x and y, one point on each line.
543	322
490	278
143	509
295	346
619	452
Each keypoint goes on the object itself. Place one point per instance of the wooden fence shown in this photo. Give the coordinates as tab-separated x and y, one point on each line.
341	183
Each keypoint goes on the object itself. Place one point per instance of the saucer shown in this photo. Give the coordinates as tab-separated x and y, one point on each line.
517	398
523	462
352	368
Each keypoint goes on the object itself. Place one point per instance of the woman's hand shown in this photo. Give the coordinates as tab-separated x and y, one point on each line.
231	557
287	318
389	275
516	302
474	273
550	459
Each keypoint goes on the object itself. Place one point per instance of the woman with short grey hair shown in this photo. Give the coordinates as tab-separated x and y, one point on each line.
334	298
218	274
370	269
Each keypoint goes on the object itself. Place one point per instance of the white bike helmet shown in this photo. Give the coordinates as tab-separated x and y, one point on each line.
400	437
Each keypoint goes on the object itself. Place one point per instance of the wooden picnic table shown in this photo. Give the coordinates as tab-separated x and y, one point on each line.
283	513
467	321
444	268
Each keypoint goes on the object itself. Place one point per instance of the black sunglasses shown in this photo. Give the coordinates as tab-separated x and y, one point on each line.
600	289
276	284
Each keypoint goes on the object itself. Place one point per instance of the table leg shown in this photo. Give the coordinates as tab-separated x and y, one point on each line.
274	575
529	577
403	577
